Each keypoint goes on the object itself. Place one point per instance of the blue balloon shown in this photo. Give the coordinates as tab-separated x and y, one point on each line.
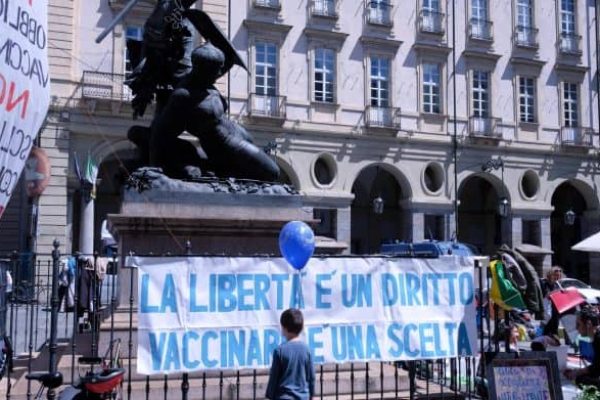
297	243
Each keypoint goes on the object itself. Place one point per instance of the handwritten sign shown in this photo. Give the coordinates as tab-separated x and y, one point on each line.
527	376
24	86
202	313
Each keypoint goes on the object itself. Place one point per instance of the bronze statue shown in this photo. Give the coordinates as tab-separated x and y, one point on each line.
181	81
197	107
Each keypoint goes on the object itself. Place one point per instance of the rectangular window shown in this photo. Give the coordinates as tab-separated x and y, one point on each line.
525	31
567	17
570	105
531	232
431	18
479	10
431	5
324	7
380	81
525	13
379	12
266	69
481	94
434	227
480	26
431	88
131	33
328	222
324	75
267	3
526	99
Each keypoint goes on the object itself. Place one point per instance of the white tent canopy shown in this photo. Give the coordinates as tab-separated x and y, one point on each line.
590	244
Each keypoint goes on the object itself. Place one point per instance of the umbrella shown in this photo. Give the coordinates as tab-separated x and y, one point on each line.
590	244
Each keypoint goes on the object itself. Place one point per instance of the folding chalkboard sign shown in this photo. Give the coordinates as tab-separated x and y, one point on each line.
528	375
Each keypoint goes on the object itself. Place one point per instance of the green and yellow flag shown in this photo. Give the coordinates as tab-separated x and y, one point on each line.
503	292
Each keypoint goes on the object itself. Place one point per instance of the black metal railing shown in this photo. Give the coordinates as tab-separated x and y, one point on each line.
105	86
431	21
382	117
457	377
324	8
263	105
576	136
480	29
272	4
569	43
484	127
526	36
379	13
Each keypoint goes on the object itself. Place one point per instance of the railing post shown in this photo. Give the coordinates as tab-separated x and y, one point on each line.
51	395
480	310
185	384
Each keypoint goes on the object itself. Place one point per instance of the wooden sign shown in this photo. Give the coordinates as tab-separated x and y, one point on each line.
523	376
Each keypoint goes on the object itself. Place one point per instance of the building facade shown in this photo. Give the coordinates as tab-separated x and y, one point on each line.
396	120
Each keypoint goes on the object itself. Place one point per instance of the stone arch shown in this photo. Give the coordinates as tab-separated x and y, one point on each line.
585	190
571	196
369	229
480	222
399	176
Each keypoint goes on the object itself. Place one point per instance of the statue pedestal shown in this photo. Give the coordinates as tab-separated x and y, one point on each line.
215	217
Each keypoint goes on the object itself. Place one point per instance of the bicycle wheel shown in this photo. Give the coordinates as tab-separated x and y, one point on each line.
5	356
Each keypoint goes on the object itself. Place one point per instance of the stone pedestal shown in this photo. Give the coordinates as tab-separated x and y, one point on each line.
214	217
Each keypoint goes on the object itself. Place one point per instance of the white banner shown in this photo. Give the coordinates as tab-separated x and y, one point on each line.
24	85
202	313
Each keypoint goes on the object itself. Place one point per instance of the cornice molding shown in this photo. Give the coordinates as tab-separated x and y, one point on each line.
429	48
481	55
388	45
326	35
264	26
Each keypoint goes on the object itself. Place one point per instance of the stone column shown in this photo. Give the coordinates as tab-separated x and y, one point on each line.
86	225
450	226
546	240
343	231
418	226
516	230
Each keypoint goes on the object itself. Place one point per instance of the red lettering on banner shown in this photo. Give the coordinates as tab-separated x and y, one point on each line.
30	2
11	101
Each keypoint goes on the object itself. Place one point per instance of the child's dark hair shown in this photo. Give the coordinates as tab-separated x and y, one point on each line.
292	320
590	313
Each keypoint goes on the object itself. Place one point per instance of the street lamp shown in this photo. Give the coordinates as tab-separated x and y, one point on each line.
503	203
377	202
378	205
570	217
503	207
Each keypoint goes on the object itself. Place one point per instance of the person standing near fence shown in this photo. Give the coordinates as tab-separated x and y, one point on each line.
292	374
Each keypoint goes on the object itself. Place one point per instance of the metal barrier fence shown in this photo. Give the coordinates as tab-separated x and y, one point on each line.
38	322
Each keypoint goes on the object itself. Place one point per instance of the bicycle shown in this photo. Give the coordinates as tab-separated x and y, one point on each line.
95	385
6	356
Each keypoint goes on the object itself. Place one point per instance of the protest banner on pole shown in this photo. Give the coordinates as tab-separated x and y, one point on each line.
24	86
201	313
